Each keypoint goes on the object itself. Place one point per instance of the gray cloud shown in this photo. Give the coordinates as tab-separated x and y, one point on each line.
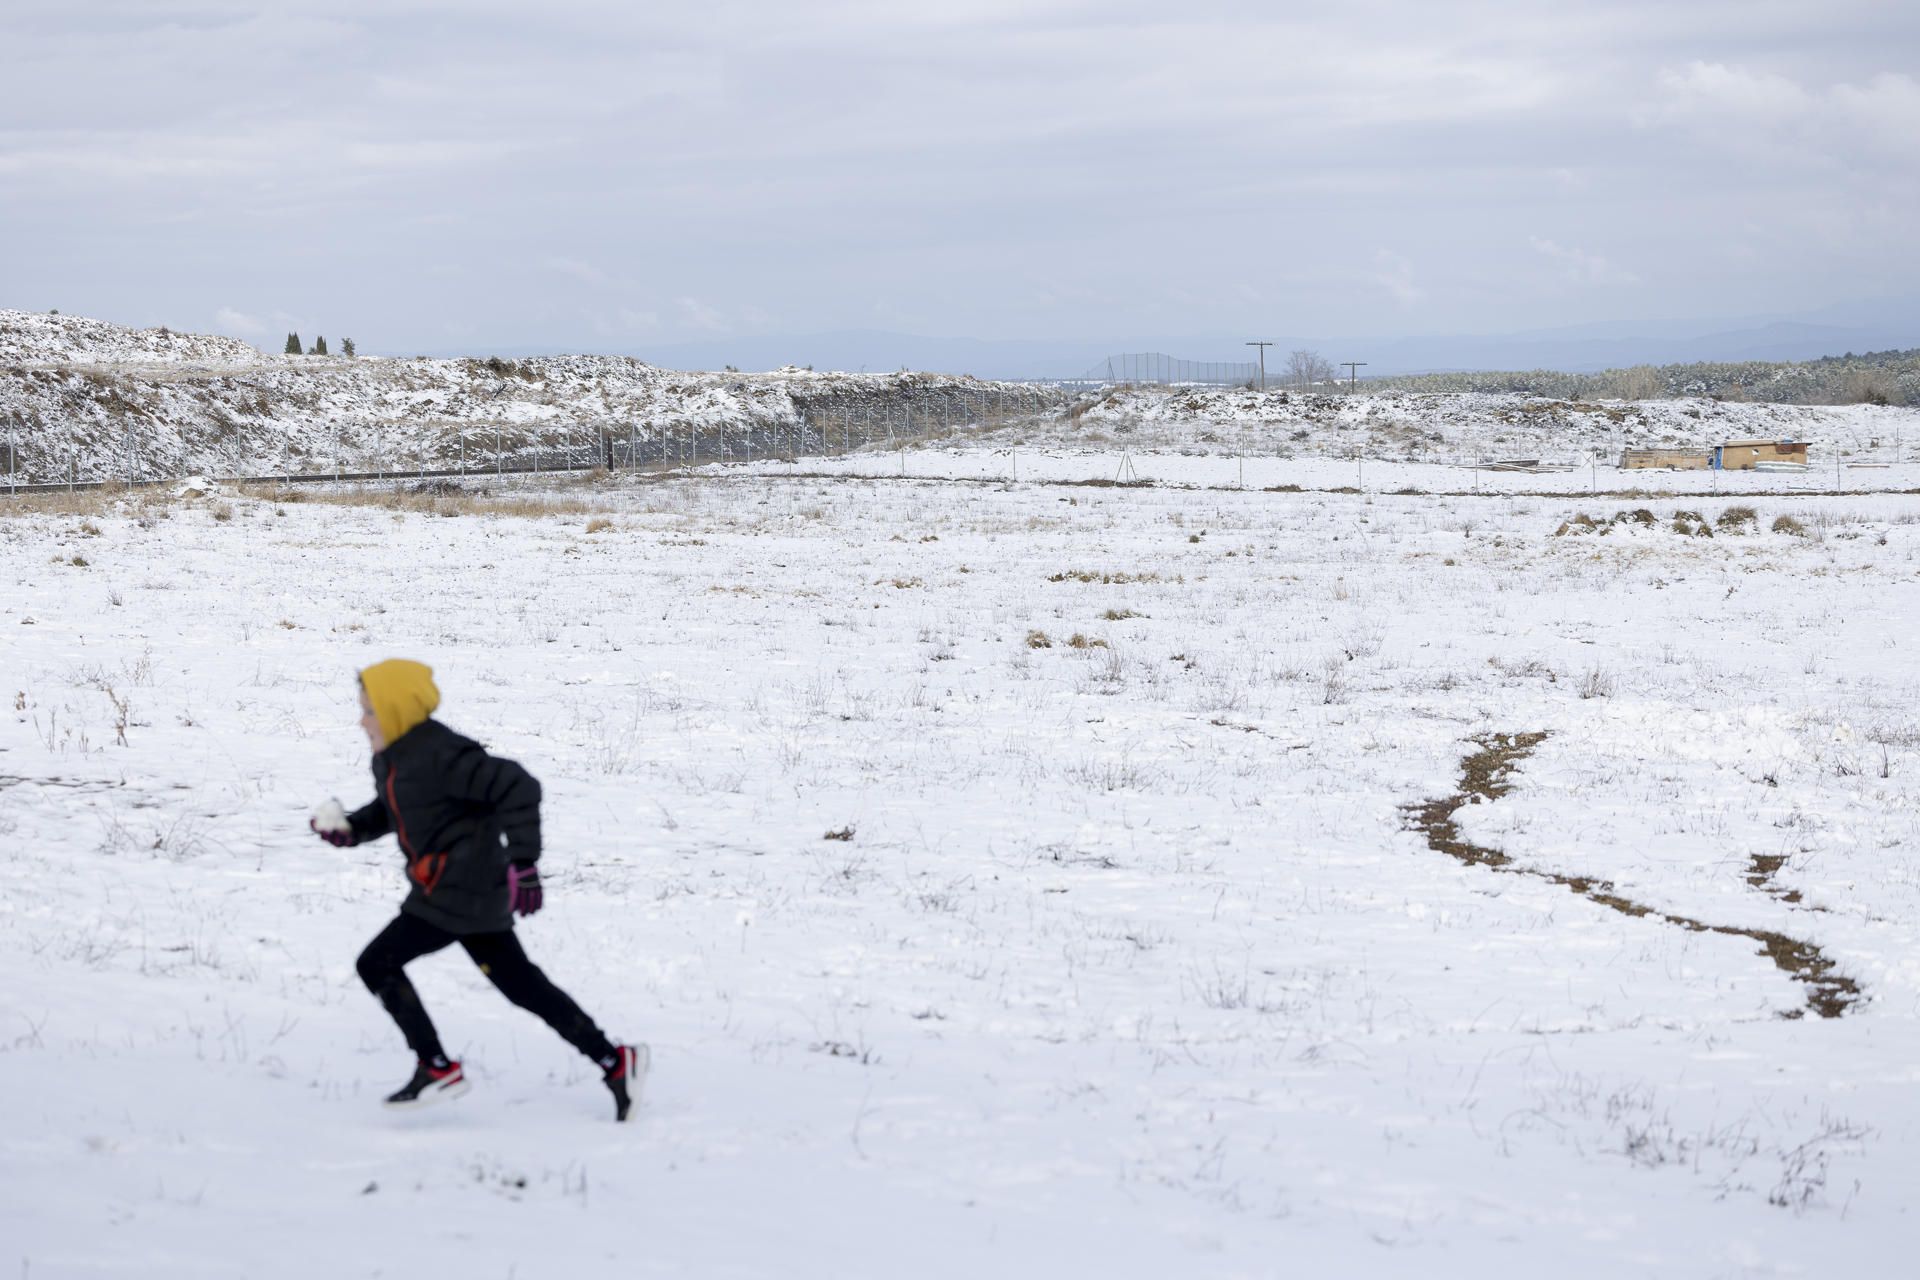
424	175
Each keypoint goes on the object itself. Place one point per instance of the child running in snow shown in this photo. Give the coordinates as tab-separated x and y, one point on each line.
469	826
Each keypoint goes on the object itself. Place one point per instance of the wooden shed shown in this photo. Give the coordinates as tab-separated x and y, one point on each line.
1740	455
1684	459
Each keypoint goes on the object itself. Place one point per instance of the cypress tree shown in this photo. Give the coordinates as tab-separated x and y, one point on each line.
293	345
319	346
346	347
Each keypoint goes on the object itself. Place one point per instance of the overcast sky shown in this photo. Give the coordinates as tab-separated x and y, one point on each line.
619	176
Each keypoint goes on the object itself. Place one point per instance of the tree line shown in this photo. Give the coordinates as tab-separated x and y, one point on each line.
319	347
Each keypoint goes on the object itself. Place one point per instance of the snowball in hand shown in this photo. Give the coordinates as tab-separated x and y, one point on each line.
330	816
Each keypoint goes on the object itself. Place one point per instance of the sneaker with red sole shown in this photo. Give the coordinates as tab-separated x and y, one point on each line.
430	1084
627	1078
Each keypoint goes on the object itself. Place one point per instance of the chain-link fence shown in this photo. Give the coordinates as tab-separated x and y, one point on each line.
823	422
1157	367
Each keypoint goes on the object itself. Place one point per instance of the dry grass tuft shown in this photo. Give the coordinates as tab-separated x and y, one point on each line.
78	502
1691	524
1089	575
441	500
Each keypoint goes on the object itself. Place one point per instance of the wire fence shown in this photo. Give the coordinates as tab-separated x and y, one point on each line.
1157	367
827	423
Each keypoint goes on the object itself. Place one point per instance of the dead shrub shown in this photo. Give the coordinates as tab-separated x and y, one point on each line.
1691	524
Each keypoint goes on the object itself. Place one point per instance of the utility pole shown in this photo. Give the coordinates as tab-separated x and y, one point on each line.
1263	361
1353	368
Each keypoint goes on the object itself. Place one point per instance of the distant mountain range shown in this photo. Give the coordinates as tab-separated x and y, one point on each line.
1875	325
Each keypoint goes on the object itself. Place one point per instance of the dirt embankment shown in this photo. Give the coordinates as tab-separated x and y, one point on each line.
275	415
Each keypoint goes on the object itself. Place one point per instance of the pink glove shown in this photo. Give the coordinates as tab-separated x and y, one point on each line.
338	839
523	888
329	822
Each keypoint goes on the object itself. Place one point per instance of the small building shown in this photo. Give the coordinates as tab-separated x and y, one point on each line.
1681	459
1741	455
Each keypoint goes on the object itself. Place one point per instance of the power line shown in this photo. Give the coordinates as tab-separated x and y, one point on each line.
1353	368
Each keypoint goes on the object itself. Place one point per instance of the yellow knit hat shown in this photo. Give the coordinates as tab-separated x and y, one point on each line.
402	694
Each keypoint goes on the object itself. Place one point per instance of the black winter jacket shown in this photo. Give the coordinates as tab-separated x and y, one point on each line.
461	816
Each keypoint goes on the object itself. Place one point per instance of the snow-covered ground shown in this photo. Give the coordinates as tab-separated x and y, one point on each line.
1134	961
993	458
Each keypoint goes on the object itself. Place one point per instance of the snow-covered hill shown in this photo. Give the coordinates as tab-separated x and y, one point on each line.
30	338
1404	426
94	401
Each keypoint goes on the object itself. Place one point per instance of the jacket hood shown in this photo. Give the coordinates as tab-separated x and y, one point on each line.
402	694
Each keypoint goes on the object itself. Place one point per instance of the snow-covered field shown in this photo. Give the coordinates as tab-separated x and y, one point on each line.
1135	960
992	458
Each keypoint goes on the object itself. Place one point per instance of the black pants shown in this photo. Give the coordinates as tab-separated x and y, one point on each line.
383	968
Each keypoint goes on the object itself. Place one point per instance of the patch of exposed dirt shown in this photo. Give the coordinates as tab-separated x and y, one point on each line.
1761	868
1486	775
